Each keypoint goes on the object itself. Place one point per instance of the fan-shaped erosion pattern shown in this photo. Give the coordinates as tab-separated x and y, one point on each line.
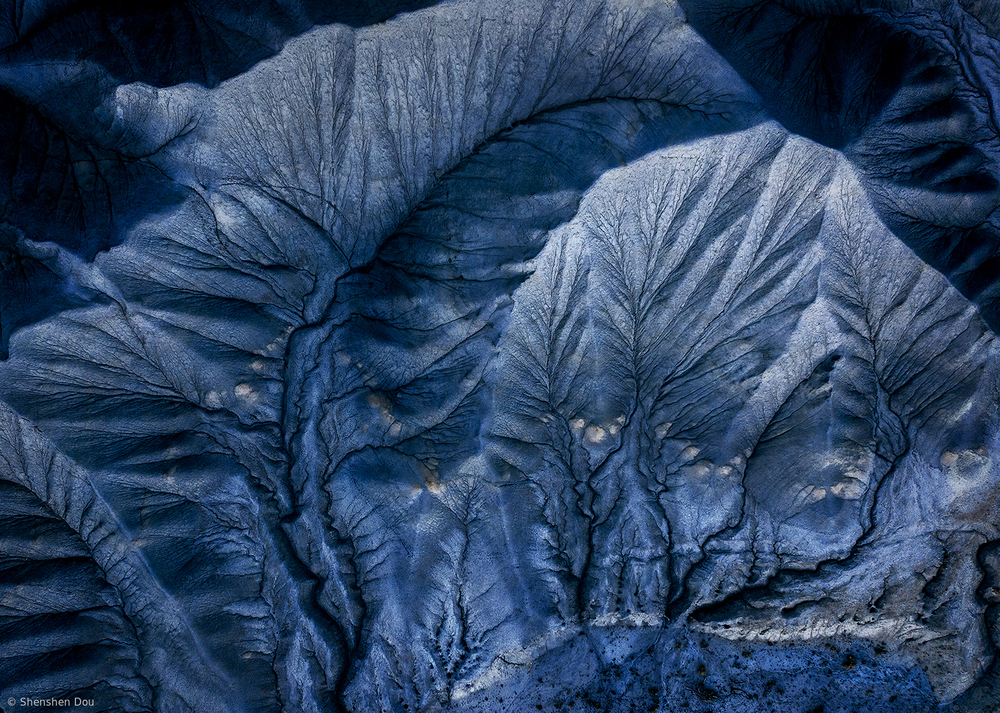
492	356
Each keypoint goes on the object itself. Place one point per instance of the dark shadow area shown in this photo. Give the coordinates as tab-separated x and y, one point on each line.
823	76
58	186
895	104
88	640
163	43
64	193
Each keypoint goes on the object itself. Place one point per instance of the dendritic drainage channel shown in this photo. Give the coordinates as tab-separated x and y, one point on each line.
476	356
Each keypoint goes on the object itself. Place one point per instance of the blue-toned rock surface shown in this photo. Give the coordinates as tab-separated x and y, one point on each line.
497	356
